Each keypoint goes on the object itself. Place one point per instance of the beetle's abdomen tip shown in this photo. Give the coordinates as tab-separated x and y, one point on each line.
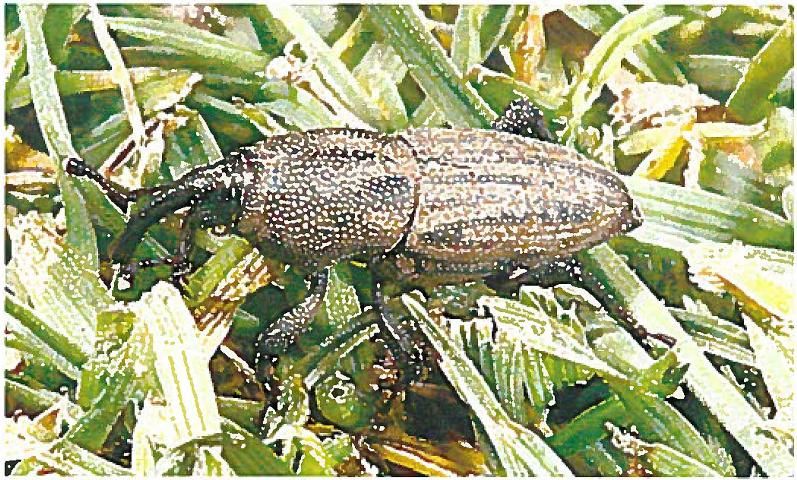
633	218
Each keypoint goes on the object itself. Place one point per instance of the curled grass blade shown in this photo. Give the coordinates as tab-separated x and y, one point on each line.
605	57
649	57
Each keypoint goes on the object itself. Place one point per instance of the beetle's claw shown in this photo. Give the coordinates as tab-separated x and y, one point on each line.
181	267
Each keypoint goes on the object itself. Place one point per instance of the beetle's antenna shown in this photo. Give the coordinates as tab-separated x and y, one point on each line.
78	168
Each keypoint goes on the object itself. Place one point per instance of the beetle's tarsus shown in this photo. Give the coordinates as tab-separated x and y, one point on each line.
643	333
523	118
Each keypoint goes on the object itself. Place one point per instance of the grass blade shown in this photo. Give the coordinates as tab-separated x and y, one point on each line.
119	73
181	367
332	70
696	215
713	390
750	100
52	122
192	40
403	28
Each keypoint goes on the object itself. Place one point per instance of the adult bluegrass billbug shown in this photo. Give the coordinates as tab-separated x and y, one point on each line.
463	202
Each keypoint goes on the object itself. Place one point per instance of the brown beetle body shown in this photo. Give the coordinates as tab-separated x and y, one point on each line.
466	202
462	200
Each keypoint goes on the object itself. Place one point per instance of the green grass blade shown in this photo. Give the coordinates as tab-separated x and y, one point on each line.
37	400
654	417
15	61
588	427
20	338
52	122
59	23
191	40
750	100
716	335
402	27
379	71
46	332
69	459
109	377
715	73
466	49
700	215
247	454
776	362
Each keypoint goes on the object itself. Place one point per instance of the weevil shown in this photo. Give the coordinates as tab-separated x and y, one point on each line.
454	202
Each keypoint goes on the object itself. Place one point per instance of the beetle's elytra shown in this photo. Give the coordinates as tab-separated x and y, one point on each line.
464	201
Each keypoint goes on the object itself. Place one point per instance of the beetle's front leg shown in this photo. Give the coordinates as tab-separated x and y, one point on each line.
178	261
284	331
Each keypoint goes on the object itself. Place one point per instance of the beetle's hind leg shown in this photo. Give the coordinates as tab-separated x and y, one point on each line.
523	118
284	331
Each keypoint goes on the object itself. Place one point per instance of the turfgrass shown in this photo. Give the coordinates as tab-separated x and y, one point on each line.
693	105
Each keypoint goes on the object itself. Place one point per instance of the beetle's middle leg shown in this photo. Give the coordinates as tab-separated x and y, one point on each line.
404	339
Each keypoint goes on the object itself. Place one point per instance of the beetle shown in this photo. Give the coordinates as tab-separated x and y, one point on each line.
455	203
